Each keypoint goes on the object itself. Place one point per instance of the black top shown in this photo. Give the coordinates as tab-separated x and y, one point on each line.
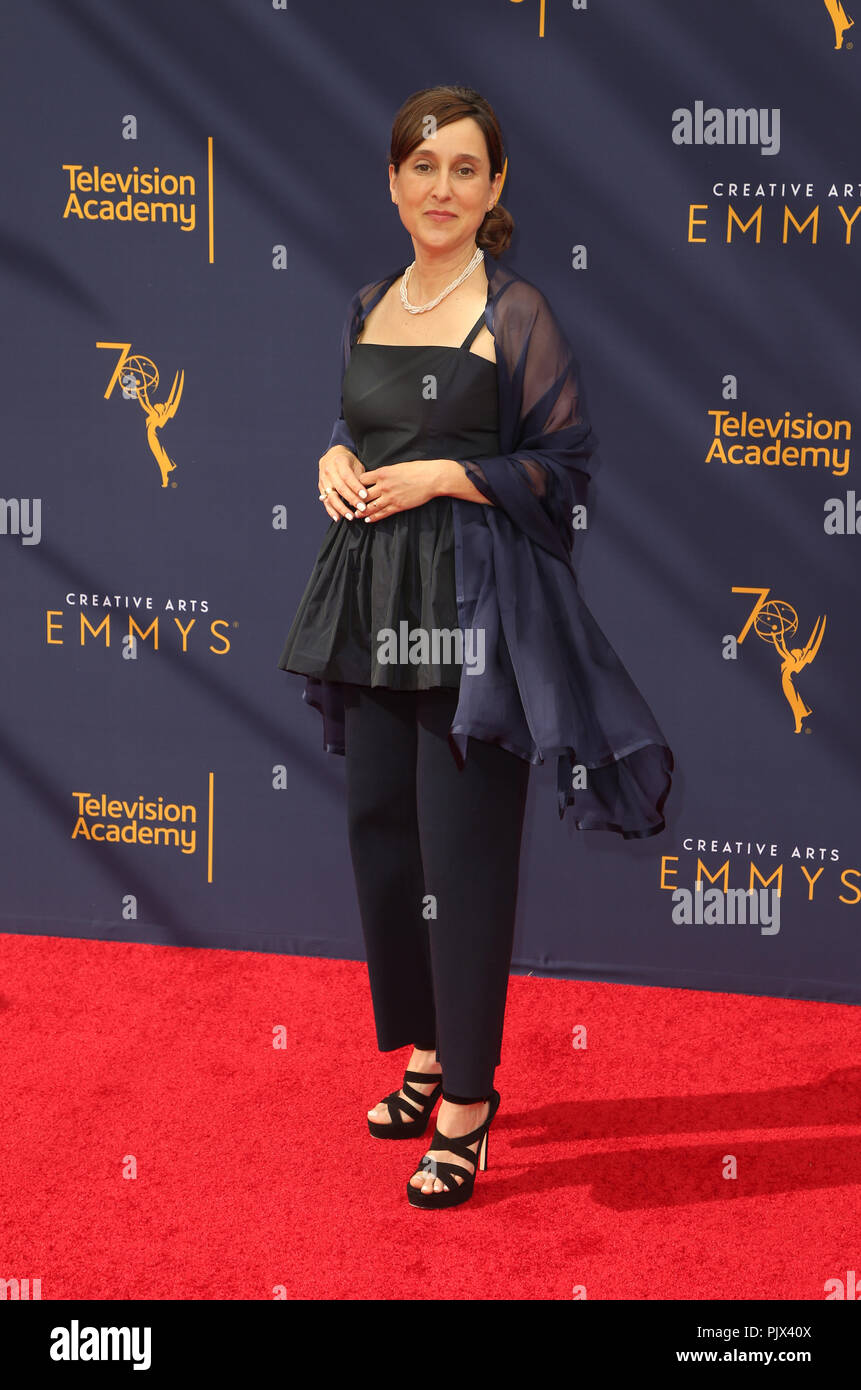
400	402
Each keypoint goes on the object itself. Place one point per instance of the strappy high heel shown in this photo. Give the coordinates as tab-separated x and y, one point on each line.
419	1106
449	1172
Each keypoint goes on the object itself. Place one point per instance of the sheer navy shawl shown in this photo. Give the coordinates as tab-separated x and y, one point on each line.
553	685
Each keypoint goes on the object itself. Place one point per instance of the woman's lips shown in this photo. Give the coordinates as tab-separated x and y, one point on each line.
440	216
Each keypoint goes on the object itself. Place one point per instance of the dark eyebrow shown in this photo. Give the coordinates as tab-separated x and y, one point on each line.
425	150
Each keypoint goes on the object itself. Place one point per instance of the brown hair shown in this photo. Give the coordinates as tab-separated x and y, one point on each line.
447	104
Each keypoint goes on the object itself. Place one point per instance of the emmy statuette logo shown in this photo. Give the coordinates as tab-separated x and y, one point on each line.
776	623
138	376
840	20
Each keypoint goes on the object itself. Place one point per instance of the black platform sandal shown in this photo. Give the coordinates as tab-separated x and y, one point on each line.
449	1172
420	1108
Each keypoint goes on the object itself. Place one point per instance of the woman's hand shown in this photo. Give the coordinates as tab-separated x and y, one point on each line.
399	486
339	470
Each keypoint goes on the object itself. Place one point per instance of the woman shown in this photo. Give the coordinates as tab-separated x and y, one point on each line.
461	448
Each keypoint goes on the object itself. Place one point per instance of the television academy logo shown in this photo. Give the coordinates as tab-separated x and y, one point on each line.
137	197
138	376
180	827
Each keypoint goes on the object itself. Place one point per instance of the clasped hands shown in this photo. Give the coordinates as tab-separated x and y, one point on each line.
377	492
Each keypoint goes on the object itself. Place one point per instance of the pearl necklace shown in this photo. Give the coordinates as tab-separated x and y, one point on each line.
423	308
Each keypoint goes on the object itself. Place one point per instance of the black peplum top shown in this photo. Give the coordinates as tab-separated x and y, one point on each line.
400	403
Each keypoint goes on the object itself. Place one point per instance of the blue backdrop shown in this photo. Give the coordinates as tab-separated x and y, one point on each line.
192	194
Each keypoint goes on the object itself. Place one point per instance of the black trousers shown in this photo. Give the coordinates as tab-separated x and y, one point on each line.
436	853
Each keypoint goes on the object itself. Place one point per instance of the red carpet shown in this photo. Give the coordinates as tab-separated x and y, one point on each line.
255	1169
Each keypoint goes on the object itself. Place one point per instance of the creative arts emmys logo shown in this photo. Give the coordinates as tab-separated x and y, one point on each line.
138	376
776	623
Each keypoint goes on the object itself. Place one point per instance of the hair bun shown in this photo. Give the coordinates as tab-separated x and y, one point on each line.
494	234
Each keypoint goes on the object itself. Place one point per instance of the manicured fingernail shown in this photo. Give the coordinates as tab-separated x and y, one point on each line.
349	516
362	492
360	506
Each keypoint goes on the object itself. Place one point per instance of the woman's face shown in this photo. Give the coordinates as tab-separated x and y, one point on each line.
449	172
